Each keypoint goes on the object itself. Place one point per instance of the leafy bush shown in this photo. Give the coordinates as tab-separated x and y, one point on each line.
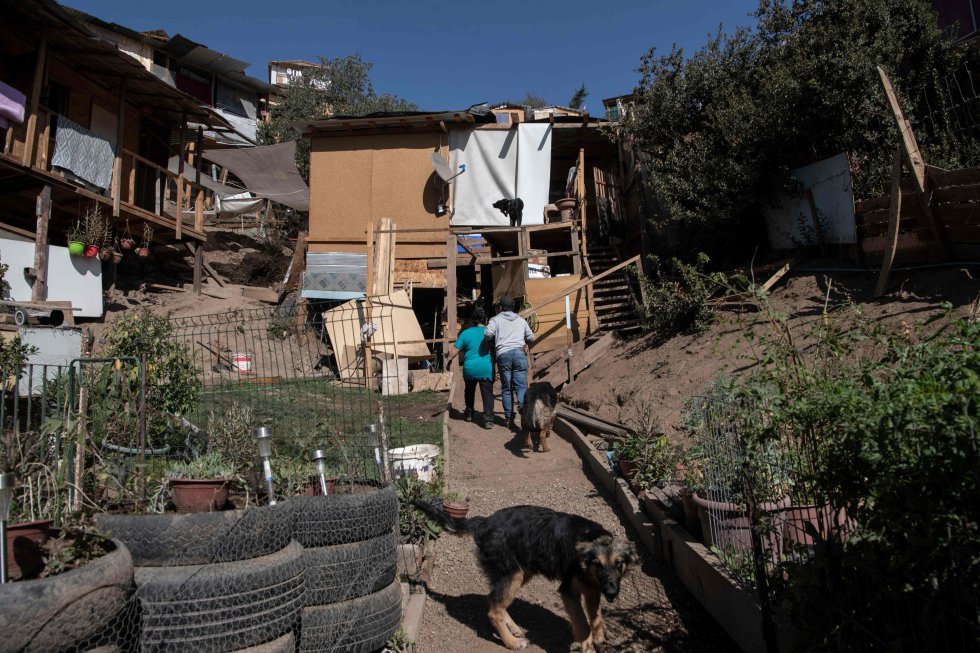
725	126
677	297
173	380
208	466
230	434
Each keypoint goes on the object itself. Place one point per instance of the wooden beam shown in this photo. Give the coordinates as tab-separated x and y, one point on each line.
439	263
581	284
207	266
182	152
909	144
17	230
368	355
469	251
198	263
450	289
40	66
894	219
39	290
774	279
117	161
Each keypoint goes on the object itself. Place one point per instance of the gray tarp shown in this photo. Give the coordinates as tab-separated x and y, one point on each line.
267	171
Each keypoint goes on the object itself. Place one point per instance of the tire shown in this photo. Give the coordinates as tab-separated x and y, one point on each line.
285	644
222	606
349	571
344	518
361	625
64	611
200	538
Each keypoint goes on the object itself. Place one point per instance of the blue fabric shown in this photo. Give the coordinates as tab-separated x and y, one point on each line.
476	354
513	378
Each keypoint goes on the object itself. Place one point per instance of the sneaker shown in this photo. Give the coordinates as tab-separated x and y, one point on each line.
511	423
488	424
468	415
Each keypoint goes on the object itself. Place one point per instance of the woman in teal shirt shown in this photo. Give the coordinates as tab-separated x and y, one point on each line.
477	366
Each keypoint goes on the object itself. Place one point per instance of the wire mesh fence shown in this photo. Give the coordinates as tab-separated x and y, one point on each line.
825	565
246	468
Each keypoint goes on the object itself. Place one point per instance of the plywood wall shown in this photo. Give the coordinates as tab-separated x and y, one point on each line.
355	180
549	333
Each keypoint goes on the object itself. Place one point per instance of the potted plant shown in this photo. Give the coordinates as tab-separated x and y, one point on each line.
76	244
200	485
455	506
567	207
126	241
628	453
95	230
144	248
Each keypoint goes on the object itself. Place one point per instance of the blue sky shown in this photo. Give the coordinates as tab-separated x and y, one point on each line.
445	55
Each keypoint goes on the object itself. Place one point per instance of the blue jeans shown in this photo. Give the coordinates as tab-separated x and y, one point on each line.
513	378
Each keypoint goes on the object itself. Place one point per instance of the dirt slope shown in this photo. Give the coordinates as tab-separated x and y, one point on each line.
639	376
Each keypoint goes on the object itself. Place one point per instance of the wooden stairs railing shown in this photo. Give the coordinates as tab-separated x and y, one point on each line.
613	297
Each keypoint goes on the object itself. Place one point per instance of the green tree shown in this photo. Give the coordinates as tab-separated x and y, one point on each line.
337	87
578	99
533	100
725	126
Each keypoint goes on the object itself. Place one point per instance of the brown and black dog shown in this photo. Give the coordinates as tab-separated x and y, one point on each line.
515	544
538	413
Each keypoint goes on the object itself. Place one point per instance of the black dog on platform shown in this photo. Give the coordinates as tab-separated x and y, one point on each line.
513	209
515	544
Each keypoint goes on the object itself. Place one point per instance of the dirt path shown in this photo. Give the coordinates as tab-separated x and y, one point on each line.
653	612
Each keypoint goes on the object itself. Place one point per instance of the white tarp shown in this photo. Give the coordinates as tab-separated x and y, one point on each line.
500	164
534	169
791	224
74	279
490	157
237	204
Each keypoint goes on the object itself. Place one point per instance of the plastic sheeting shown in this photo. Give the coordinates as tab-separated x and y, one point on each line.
500	164
267	171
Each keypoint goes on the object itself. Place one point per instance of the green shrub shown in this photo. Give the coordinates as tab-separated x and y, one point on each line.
677	297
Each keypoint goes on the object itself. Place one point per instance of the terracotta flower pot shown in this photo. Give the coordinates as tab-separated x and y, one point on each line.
826	522
567	207
692	521
627	469
127	243
117	258
727	525
143	251
457	509
76	248
105	254
35	531
199	494
91	251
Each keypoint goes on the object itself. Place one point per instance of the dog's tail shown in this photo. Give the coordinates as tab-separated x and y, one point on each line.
458	525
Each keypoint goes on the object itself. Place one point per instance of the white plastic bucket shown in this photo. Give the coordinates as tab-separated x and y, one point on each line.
243	363
415	459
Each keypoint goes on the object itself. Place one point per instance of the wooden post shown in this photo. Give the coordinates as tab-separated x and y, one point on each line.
198	146
913	157
158	194
179	214
39	68
368	354
580	192
450	291
894	219
131	197
39	290
117	162
199	210
198	260
568	337
182	152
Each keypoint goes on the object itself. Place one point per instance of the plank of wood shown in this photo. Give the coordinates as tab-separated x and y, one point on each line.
590	422
207	266
895	209
40	66
582	284
267	295
909	145
774	279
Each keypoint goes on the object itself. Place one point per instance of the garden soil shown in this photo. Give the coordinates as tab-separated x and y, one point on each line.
639	379
653	612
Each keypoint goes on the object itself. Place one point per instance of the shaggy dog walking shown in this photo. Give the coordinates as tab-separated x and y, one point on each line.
515	544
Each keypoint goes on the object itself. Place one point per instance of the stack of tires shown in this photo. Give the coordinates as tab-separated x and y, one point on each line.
84	609
217	582
353	597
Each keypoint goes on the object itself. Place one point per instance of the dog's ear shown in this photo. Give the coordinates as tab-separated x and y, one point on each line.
586	554
625	552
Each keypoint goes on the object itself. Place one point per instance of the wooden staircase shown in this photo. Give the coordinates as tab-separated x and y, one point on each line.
614	297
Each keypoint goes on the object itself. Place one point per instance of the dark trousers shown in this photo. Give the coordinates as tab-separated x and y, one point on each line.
486	392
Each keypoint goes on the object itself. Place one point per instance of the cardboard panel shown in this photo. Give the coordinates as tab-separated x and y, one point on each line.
550	329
